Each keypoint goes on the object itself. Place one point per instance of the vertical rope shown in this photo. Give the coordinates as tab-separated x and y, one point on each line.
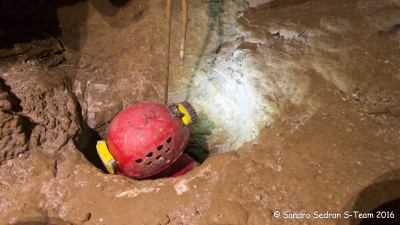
216	9
167	52
183	32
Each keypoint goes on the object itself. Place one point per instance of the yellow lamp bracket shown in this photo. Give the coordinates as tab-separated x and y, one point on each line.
108	160
184	111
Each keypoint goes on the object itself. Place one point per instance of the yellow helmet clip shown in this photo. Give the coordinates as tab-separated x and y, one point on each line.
186	116
189	114
108	160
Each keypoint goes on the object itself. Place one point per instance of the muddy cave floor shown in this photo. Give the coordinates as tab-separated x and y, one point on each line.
334	149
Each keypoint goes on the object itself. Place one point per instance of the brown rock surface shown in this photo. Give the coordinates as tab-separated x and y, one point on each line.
13	136
298	104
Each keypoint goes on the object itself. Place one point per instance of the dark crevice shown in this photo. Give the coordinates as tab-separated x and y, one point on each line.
28	125
378	203
87	145
119	3
387	214
86	140
27	20
197	147
61	3
394	29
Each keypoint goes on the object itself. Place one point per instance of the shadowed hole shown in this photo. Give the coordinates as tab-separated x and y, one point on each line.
169	140
378	203
387	214
158	157
149	163
150	154
159	147
167	150
138	160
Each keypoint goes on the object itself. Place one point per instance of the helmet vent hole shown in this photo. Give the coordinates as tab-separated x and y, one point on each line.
150	154
158	157
159	147
149	163
167	150
138	160
169	140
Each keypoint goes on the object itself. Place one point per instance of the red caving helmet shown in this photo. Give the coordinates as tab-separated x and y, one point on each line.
145	138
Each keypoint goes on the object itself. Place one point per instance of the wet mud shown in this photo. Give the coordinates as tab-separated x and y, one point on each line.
298	104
